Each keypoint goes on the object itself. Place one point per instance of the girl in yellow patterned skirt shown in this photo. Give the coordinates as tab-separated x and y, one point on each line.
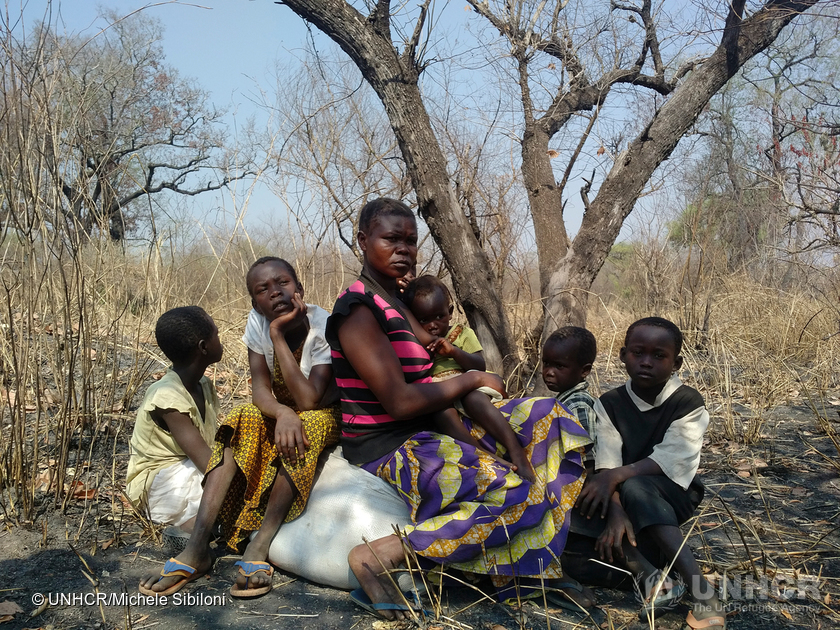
263	463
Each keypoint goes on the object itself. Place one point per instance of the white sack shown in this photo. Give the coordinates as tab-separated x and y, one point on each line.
346	504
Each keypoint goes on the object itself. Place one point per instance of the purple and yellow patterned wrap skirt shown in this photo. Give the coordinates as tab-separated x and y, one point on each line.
471	513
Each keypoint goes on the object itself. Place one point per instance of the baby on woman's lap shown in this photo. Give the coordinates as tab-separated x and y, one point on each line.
388	398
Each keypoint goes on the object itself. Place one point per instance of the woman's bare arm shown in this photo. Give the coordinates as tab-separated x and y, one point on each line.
369	351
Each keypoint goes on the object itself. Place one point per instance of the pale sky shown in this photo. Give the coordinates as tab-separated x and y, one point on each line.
224	44
230	47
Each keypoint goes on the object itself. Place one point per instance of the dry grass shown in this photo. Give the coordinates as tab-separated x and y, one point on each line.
77	344
77	351
753	347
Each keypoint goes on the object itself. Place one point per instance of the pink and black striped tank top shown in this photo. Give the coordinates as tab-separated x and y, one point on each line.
368	432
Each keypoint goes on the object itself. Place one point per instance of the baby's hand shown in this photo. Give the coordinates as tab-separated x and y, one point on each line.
441	346
280	324
402	283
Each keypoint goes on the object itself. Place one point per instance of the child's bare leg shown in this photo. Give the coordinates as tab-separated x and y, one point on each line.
636	563
279	501
367	565
197	552
480	409
449	423
669	538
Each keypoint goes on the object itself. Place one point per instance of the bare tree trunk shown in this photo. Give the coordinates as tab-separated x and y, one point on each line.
546	200
575	272
394	78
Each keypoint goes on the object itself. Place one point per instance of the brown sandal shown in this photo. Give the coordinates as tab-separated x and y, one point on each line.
718	621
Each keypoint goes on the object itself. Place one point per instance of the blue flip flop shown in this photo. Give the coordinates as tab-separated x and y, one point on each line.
249	569
170	569
361	599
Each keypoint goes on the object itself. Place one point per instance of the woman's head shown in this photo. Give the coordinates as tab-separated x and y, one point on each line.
187	333
430	301
382	207
388	238
272	282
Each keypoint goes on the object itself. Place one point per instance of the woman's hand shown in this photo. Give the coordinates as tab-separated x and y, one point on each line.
596	492
493	381
282	323
289	435
609	543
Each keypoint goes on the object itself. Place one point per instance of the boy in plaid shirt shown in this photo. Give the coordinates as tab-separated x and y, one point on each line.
568	355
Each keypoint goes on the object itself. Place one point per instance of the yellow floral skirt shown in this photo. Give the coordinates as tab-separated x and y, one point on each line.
250	436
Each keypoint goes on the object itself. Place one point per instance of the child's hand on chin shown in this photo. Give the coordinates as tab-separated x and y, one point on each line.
281	324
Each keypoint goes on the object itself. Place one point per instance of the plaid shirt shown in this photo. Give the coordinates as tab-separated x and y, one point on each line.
581	403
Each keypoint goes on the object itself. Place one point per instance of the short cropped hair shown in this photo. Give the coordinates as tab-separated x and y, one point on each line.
269	259
423	287
659	322
587	348
179	330
382	207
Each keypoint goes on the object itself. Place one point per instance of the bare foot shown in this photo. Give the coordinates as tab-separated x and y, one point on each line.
574	591
499	460
523	465
584	598
664	589
200	561
370	573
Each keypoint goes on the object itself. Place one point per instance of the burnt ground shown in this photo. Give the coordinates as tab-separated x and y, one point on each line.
769	523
